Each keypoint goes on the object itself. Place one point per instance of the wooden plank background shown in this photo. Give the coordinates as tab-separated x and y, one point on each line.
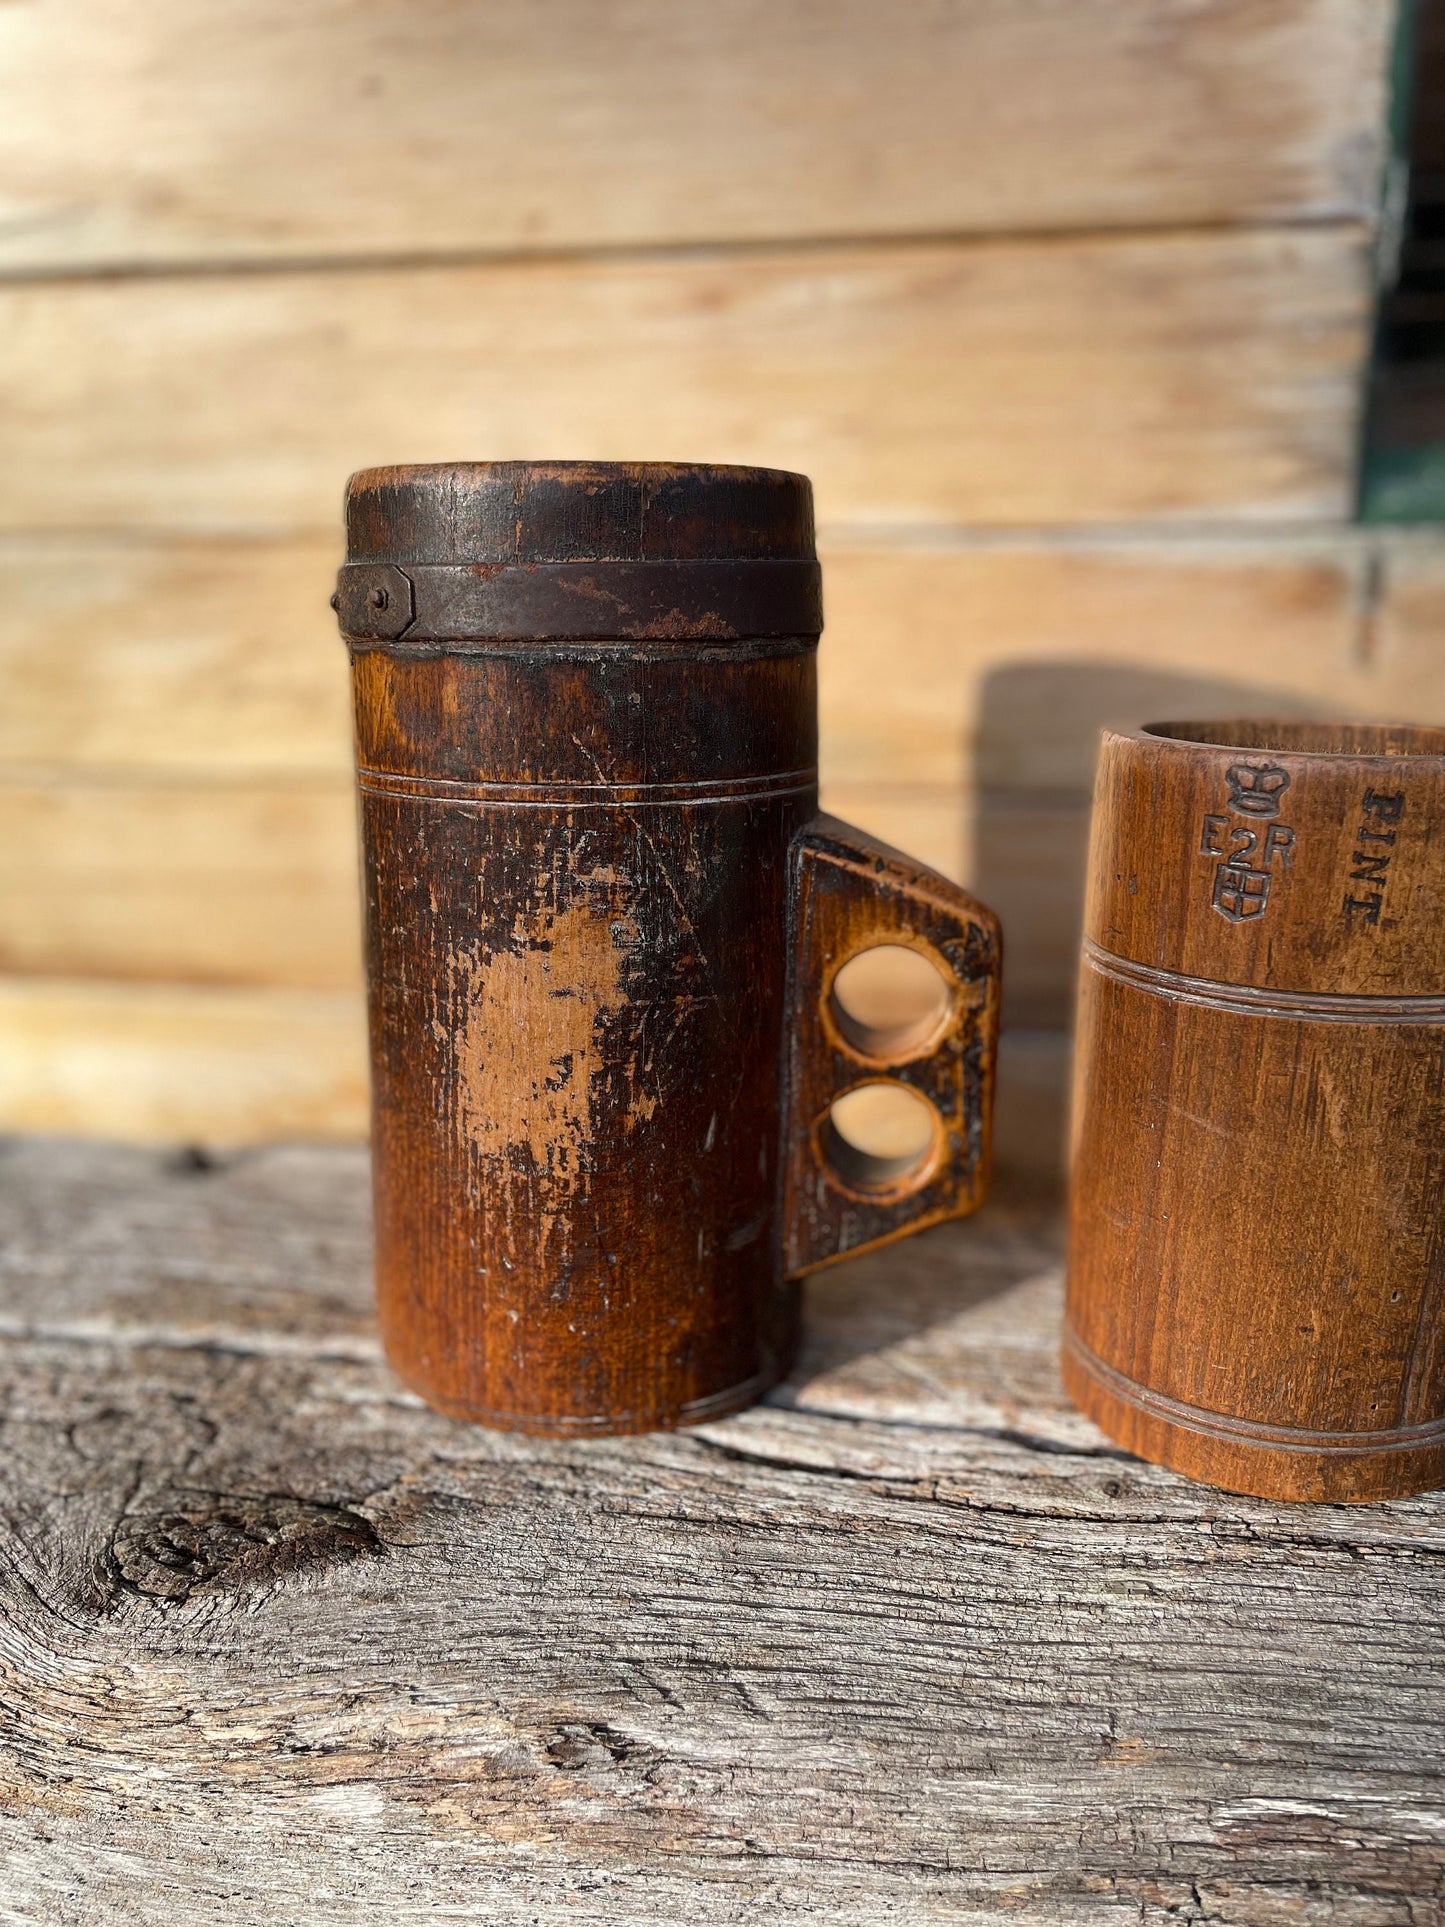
1094	380
1065	308
135	131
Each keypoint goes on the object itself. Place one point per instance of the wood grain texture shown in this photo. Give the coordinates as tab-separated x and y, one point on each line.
993	664
184	658
991	661
255	881
602	922
910	1642
252	882
853	896
976	747
1256	1293
577	918
181	1063
127	138
1064	381
167	695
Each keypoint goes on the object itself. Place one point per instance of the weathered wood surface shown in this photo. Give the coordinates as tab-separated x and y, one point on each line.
129	138
602	913
1080	379
143	656
176	732
215	1063
221	1065
221	882
909	1643
190	696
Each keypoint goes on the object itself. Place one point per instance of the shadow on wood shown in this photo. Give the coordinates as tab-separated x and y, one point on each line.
1037	741
921	1647
876	1303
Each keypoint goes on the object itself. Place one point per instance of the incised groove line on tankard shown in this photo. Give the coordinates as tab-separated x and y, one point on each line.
599	955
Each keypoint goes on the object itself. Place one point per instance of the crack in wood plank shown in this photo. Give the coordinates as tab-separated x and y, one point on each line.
858	1655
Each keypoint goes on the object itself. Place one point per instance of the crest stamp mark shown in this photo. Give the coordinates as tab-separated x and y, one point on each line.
1255	788
1246	855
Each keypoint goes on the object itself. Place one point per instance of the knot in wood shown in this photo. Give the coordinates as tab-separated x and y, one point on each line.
591	1744
210	1542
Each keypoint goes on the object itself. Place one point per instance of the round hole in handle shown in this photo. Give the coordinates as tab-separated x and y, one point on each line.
880	1137
890	1001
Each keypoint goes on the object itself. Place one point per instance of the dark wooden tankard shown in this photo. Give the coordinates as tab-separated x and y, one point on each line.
603	923
1257	1253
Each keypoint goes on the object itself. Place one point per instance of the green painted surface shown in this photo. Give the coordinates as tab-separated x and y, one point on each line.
1403	484
1399	484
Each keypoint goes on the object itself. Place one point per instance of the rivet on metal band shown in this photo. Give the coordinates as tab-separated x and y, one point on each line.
578	601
